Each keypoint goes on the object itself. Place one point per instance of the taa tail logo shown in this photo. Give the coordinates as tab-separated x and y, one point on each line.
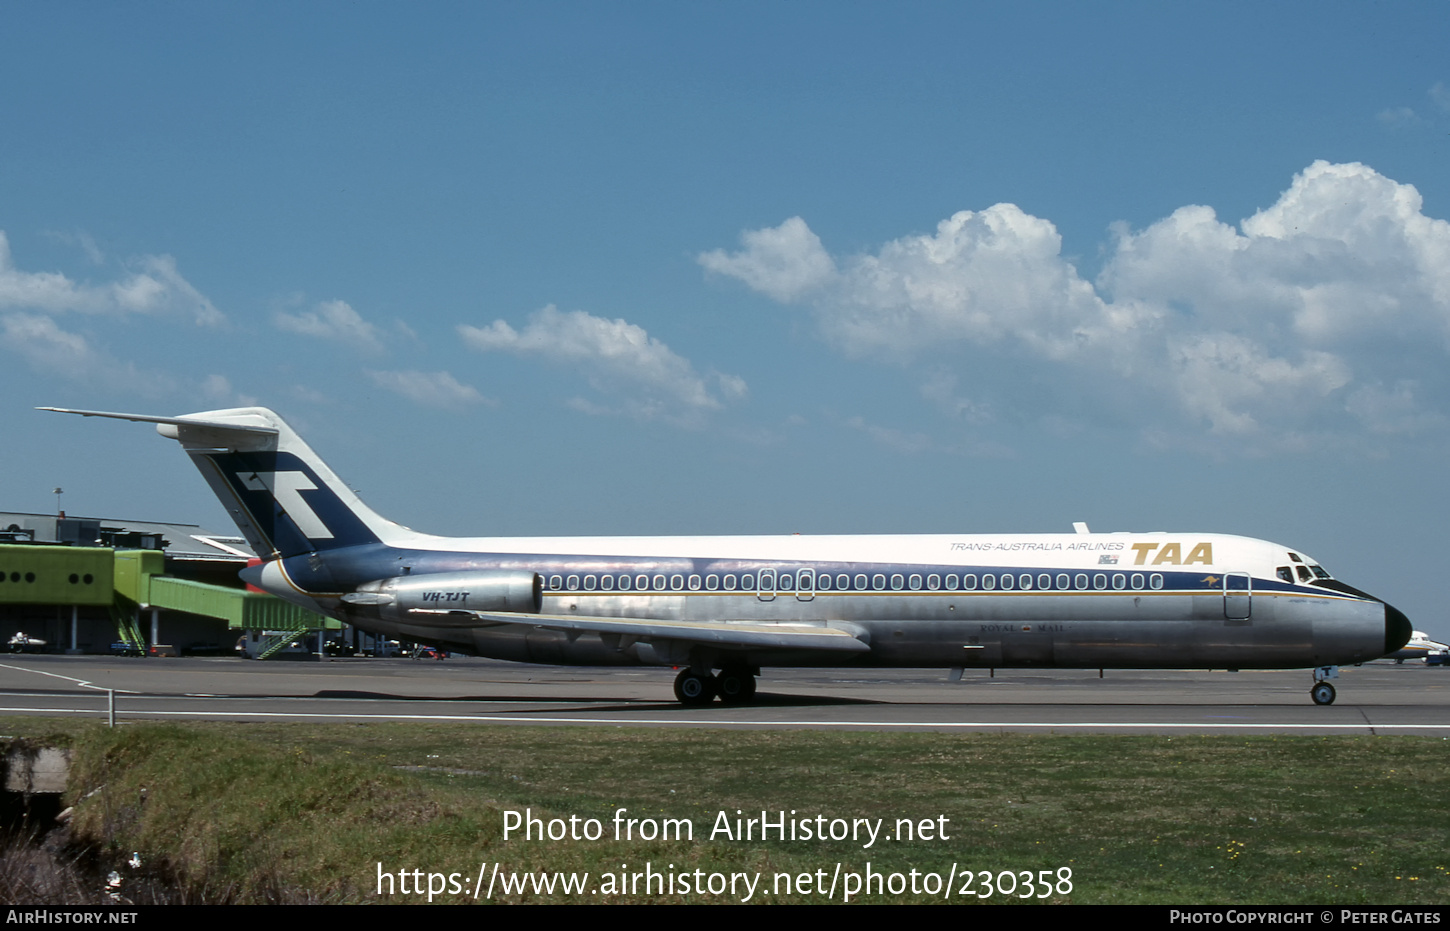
287	488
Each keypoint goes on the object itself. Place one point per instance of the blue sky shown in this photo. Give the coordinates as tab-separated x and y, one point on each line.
748	268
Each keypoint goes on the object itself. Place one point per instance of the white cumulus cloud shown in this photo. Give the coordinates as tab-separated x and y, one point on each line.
53	351
1283	323
45	345
784	262
640	374
335	321
152	286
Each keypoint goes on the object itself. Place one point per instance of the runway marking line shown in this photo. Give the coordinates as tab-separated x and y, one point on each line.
704	722
83	683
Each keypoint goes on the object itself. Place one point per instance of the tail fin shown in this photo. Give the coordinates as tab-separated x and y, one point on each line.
284	499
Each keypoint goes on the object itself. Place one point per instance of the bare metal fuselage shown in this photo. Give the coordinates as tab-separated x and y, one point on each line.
1192	620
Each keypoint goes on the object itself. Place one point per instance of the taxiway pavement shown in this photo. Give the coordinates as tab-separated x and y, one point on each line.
1378	698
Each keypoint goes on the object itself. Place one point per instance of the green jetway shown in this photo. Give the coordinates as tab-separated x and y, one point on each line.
61	575
126	581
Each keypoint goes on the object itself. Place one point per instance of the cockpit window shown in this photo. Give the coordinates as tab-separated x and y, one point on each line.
1295	557
1320	572
1285	573
1304	575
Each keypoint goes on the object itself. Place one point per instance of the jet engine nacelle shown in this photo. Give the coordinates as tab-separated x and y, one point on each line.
439	592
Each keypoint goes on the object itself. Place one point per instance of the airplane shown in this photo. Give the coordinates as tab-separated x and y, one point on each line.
1420	646
722	608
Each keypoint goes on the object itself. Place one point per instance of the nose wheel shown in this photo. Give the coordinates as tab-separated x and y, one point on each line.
1323	693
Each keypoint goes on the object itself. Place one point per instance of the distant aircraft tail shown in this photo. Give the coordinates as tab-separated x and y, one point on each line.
284	499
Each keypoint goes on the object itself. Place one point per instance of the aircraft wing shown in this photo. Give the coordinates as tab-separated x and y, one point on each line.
737	634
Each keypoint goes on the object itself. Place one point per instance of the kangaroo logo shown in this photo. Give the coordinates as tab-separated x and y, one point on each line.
287	488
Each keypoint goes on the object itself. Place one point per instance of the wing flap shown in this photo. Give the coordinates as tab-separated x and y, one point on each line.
753	634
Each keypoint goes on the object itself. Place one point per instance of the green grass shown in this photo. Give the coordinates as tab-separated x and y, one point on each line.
301	813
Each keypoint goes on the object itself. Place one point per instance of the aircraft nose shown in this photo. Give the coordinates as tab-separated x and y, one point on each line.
1397	629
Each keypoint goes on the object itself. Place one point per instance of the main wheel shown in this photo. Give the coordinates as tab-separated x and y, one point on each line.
1322	693
691	688
736	686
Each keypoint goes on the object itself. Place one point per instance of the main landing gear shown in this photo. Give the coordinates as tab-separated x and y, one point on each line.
734	685
1323	691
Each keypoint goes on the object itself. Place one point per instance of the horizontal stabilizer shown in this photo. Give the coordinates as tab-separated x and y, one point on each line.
284	499
174	421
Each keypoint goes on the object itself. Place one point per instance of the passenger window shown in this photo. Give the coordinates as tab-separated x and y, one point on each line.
1080	581
589	583
914	583
712	582
624	583
694	583
1120	581
1006	581
659	583
897	583
1137	581
606	582
989	582
1155	581
843	582
730	583
861	583
677	582
1044	581
969	582
573	583
1064	582
556	582
1100	581
933	582
641	582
